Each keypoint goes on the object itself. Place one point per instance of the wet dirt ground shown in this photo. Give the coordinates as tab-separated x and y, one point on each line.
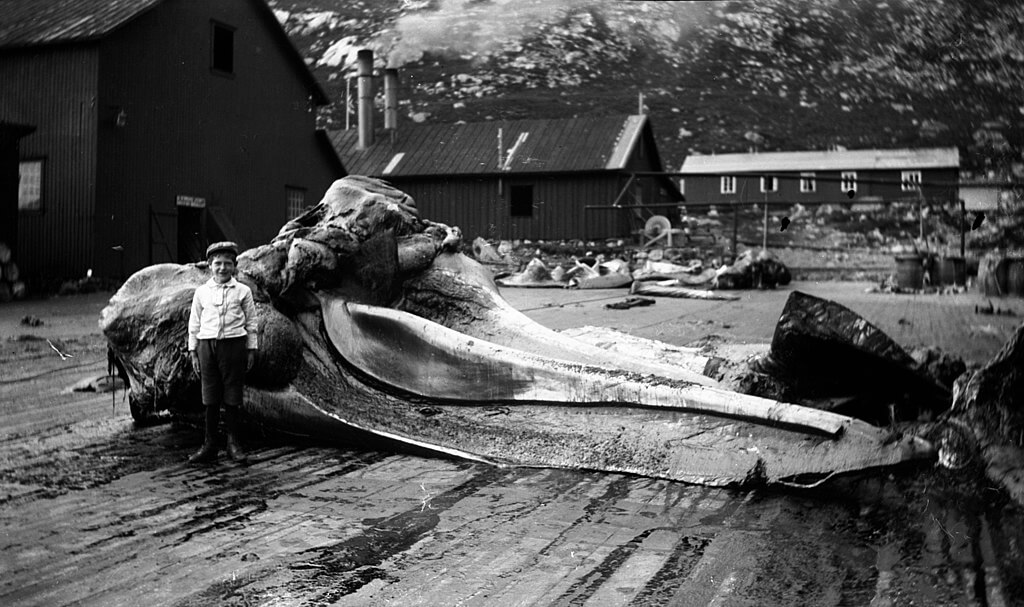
97	511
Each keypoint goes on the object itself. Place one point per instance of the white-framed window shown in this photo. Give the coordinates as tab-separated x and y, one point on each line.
728	184
296	199
682	185
769	184
848	181
30	185
910	181
808	183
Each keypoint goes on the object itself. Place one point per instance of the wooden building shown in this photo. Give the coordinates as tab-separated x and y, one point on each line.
159	125
807	177
519	179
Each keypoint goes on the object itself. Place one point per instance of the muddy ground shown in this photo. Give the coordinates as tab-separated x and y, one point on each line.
97	511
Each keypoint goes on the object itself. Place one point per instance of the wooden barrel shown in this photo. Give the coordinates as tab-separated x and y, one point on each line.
952	271
909	271
1015	276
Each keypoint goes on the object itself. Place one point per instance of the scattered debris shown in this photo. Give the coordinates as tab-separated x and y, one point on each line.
103	383
630	302
991	309
762	271
942	366
63	355
672	288
610	274
535	274
31	321
989	404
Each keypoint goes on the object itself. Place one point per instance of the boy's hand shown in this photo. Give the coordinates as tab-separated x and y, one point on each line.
195	361
251	360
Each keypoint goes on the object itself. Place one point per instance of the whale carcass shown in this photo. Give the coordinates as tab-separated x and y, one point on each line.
372	320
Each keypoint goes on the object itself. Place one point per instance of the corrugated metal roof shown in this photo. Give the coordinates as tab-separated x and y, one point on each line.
922	158
38	22
592	143
26	23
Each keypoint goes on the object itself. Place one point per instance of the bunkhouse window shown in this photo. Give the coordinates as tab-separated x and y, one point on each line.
910	180
521	200
728	184
296	198
807	183
30	185
769	184
222	48
848	181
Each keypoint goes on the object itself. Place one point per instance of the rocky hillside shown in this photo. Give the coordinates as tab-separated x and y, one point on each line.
713	76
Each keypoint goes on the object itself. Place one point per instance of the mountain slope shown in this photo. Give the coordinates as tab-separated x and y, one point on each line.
714	76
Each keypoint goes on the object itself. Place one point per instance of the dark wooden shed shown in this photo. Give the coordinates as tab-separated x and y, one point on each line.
520	179
160	125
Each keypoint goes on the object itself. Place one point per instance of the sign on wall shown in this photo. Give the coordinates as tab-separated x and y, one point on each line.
194	202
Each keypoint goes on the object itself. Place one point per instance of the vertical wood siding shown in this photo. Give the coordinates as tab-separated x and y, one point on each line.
237	141
473	204
54	89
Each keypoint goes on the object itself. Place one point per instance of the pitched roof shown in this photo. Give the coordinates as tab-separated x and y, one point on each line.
921	158
591	143
27	23
38	22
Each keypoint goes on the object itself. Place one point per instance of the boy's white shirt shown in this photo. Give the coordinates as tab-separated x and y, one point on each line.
222	311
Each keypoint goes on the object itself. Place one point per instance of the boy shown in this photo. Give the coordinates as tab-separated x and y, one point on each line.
222	344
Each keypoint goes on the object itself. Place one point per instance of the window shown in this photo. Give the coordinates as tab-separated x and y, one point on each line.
848	181
682	185
296	198
910	181
807	183
521	199
222	48
30	185
769	184
728	184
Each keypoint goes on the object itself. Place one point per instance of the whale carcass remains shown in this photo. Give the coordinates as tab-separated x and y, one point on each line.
372	320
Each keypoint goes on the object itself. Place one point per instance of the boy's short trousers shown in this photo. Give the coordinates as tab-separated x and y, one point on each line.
222	365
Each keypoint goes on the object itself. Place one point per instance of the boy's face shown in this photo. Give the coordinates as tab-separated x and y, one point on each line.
223	267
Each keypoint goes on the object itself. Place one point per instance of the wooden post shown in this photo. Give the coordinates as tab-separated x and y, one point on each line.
764	230
963	238
735	227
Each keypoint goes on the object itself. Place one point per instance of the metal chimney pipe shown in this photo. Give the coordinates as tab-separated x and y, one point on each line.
391	98
365	111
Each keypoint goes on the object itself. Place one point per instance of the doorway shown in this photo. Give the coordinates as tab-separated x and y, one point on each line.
191	235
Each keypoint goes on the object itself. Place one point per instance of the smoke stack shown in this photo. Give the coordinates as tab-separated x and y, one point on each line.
391	99
365	63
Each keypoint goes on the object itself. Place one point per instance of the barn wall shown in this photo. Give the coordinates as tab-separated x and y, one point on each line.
54	89
475	205
235	140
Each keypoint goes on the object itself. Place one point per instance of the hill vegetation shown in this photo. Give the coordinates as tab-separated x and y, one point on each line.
713	76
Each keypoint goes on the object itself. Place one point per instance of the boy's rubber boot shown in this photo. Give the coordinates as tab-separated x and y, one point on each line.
234	449
208	452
